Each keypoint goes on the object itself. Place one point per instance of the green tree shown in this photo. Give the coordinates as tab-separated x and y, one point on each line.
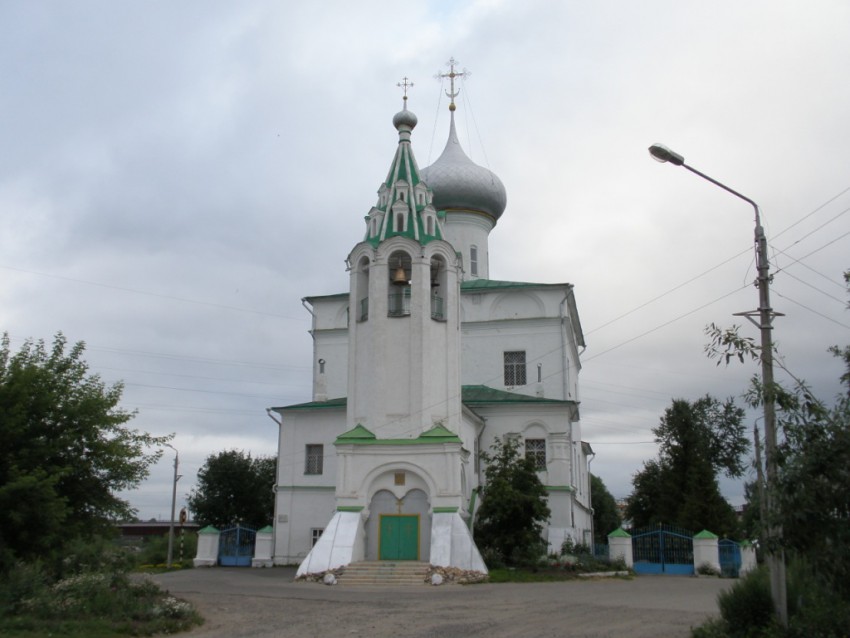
509	523
697	441
811	499
64	450
606	514
232	488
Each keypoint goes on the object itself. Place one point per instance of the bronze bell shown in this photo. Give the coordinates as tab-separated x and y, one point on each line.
400	278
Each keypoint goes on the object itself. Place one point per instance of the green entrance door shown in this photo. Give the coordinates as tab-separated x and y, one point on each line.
399	538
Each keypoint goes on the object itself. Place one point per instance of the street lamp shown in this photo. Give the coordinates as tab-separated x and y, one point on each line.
173	503
775	557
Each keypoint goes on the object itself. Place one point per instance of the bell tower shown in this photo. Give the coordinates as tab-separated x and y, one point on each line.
404	324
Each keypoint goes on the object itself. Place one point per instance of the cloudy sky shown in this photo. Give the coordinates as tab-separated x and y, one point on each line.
176	176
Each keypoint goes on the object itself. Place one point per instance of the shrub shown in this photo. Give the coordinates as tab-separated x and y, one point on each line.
154	550
705	569
747	606
815	608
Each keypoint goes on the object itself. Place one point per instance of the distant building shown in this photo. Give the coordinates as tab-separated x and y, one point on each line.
144	529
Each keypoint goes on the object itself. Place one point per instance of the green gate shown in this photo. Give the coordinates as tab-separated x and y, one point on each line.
399	537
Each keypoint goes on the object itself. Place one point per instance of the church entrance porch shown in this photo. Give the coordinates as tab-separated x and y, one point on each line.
399	537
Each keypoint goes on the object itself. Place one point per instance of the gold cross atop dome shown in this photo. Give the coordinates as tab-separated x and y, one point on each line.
405	84
452	74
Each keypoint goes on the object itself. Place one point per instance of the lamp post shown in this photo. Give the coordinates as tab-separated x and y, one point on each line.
775	557
173	504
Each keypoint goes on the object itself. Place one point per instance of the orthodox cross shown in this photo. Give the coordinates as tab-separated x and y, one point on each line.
405	84
452	74
399	503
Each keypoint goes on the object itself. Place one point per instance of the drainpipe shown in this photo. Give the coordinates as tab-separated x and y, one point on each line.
274	485
564	343
590	499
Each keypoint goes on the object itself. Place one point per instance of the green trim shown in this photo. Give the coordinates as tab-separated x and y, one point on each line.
209	529
316	405
306	488
619	533
476	285
361	436
357	434
705	534
482	394
349	508
265	530
445	510
336	295
559	488
439	431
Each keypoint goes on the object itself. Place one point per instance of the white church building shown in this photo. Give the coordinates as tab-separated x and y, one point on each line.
423	363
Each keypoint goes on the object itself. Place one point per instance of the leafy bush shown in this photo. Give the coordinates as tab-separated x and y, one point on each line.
814	608
154	551
747	606
570	547
705	569
89	592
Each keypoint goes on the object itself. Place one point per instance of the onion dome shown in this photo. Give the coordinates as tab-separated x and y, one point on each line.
459	183
405	118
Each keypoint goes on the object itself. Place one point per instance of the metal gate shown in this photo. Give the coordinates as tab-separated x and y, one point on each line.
663	549
730	557
236	546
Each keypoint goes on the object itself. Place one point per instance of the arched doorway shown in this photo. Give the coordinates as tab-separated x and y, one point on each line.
398	528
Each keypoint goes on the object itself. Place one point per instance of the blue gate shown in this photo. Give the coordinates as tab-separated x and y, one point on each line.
730	557
663	549
236	546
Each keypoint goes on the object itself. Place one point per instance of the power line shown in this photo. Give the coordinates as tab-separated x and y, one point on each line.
154	294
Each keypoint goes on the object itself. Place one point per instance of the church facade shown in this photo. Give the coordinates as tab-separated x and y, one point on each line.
419	367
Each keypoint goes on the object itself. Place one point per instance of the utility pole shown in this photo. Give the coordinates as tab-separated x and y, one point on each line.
775	556
173	504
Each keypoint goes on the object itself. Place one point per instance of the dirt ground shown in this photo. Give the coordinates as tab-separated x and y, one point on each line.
267	603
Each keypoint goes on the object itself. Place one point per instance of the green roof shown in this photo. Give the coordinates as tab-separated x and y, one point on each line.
481	394
356	434
470	395
619	533
316	405
361	436
706	534
472	285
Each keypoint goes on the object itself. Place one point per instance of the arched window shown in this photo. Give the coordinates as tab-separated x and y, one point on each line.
361	283
473	260
398	299
438	288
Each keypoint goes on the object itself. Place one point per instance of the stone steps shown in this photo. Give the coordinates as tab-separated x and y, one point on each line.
383	572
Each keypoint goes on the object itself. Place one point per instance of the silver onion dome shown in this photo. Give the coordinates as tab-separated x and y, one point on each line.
460	183
405	118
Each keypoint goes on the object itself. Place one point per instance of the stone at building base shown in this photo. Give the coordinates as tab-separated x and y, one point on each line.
340	544
452	544
448	575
